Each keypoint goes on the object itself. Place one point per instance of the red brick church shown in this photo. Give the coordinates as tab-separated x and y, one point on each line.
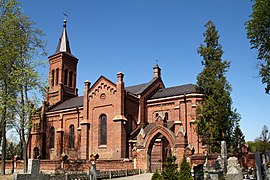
142	124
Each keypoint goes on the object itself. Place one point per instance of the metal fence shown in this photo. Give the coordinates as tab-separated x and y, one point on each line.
100	175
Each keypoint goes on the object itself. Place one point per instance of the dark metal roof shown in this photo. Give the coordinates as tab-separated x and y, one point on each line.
174	91
138	89
63	44
70	103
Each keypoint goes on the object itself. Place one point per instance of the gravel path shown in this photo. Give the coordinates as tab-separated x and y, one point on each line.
146	176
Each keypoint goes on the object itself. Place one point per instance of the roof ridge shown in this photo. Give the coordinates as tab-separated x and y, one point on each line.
180	85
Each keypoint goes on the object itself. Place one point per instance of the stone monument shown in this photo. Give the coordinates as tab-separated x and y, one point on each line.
223	162
234	169
33	172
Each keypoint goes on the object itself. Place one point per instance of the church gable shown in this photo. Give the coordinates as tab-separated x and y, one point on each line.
102	88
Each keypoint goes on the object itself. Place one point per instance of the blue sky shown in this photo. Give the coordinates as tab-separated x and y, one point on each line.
109	36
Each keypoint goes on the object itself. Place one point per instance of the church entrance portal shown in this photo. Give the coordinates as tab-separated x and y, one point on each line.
159	149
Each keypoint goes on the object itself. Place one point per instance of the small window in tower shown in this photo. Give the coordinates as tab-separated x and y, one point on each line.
70	78
65	77
71	136
52	137
52	82
57	76
103	129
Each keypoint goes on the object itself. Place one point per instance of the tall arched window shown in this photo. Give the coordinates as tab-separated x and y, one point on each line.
52	137
70	78
57	76
52	82
65	76
71	136
103	129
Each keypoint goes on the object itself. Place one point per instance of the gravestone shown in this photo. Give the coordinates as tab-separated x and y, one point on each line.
198	172
234	170
216	165
258	166
216	173
223	162
32	173
206	167
93	171
267	156
33	167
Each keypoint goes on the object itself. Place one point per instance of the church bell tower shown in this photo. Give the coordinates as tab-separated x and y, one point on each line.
62	72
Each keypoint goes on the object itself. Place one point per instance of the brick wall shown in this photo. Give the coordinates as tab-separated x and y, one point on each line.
51	166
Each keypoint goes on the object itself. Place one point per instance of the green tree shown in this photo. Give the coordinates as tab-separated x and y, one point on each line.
170	171
215	116
185	170
12	149
8	55
238	139
258	33
262	143
20	46
251	146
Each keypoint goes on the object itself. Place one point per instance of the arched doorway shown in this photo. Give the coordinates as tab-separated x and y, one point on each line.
158	151
158	144
36	153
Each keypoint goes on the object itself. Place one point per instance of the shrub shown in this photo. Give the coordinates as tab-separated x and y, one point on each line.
185	170
156	176
170	171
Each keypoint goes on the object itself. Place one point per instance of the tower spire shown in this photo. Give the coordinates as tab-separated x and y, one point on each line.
63	44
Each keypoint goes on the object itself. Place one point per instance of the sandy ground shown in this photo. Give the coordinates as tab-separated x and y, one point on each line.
6	177
146	176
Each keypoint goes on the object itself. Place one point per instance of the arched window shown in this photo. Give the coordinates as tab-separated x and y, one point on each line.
71	136
65	76
103	129
70	78
52	82
52	137
166	116
57	76
36	153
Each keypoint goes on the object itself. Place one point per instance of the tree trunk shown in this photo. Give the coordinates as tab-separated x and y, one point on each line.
3	123
25	128
25	157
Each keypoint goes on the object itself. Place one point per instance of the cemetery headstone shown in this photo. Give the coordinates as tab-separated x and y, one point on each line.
258	166
234	169
224	156
33	172
198	172
93	171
